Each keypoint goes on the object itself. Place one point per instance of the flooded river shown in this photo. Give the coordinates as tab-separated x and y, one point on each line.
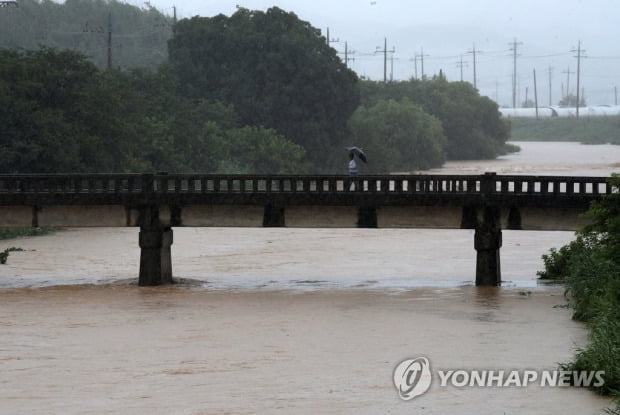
288	321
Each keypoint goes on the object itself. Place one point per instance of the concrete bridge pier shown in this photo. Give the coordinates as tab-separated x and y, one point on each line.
155	251
155	257
487	242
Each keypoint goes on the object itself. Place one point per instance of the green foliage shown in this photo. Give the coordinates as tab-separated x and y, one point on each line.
139	36
5	254
471	123
259	150
399	136
559	263
587	130
63	114
274	69
591	268
10	233
603	353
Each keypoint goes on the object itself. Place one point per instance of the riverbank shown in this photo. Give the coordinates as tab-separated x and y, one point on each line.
586	130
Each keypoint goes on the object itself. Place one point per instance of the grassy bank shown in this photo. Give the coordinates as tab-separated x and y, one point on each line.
590	267
587	130
10	233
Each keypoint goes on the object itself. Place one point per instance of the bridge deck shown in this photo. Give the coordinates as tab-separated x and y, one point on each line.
384	190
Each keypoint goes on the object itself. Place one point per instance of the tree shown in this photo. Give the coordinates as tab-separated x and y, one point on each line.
41	97
570	100
259	150
398	136
471	123
276	71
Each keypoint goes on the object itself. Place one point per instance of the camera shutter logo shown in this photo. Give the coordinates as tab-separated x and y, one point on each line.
412	378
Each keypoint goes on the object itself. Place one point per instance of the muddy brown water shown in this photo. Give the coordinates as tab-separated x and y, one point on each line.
285	320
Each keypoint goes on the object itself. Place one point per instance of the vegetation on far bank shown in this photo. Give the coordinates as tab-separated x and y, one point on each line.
254	92
590	267
12	233
587	130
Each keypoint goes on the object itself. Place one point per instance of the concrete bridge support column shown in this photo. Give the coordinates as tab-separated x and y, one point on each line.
155	243
155	256
487	242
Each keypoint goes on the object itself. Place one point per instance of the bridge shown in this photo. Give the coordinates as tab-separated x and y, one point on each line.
156	203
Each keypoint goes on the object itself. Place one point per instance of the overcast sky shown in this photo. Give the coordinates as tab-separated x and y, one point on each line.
445	30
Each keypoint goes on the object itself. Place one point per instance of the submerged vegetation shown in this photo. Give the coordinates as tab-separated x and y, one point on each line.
587	130
5	254
590	268
12	233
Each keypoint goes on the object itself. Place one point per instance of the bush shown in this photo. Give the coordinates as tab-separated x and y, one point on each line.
590	266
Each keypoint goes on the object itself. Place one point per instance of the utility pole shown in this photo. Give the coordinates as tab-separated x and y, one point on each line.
110	41
567	72
616	95
550	71
385	52
579	54
347	52
535	94
514	44
330	40
422	55
527	92
473	52
460	65
415	66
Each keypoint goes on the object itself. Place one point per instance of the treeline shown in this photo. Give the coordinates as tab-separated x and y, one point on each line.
590	267
60	113
444	120
257	92
139	36
587	130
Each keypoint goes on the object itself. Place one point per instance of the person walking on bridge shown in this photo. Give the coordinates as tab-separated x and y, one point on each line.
352	164
353	151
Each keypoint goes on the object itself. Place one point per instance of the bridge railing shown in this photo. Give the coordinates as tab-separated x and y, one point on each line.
319	184
63	184
552	185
